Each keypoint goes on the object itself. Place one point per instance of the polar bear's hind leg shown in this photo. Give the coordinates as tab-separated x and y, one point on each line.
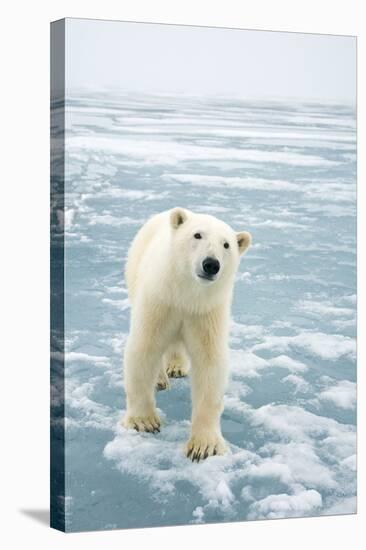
163	380
176	362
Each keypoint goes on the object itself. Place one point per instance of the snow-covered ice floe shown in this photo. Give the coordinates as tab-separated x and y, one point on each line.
286	172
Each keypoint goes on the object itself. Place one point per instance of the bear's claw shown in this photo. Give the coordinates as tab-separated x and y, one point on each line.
163	381
176	370
149	423
199	449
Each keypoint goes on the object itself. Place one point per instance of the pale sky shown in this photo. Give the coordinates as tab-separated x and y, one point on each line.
144	57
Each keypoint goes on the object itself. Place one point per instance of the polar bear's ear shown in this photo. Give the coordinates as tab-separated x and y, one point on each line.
244	241
177	217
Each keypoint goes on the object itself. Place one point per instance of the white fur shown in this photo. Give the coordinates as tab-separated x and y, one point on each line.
178	318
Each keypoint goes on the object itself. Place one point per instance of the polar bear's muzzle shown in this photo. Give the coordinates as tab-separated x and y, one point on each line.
210	268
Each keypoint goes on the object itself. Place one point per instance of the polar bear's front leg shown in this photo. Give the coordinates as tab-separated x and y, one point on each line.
150	330
140	378
206	338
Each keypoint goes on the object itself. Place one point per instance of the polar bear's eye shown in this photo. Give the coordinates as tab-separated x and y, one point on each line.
197	236
226	245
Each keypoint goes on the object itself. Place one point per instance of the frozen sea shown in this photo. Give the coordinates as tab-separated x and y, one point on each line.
285	171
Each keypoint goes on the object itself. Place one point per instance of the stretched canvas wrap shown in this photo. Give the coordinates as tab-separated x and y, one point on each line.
204	371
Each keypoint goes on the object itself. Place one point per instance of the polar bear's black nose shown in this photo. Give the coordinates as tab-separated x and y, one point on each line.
211	266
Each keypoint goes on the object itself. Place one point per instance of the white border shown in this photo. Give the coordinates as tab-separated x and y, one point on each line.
24	267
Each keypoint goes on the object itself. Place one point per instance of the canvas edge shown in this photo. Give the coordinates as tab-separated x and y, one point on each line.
57	256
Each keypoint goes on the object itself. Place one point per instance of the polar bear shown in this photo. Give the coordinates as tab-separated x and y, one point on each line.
180	275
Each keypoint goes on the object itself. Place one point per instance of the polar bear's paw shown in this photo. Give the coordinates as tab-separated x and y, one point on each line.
149	423
200	447
176	368
163	381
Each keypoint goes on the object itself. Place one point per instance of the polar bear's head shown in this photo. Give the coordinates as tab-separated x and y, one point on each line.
206	248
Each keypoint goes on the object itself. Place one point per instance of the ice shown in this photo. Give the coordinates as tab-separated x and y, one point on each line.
287	173
342	394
